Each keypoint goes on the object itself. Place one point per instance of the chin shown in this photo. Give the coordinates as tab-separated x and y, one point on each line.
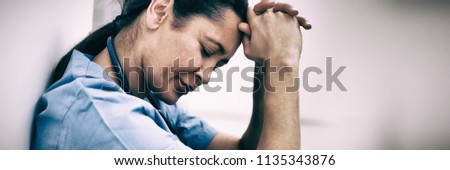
169	98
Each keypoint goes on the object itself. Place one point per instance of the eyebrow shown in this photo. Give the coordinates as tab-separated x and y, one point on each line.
221	48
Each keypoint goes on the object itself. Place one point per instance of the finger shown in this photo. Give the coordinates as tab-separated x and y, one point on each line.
245	28
251	15
304	23
246	44
245	41
286	8
269	1
263	6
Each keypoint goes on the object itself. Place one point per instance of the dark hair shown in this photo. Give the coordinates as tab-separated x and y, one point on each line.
183	10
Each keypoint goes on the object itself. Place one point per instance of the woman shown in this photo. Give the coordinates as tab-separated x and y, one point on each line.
120	85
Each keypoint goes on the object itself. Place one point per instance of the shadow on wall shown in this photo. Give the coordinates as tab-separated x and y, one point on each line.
428	131
418	2
47	78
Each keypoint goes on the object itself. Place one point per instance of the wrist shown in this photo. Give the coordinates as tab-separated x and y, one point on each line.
289	57
282	61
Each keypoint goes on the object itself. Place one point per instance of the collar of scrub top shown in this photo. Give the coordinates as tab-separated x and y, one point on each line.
117	67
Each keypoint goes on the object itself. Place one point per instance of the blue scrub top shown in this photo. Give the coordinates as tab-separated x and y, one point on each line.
87	110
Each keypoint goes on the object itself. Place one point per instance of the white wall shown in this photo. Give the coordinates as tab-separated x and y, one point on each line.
34	35
397	54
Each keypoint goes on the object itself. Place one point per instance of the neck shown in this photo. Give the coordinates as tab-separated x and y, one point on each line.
130	62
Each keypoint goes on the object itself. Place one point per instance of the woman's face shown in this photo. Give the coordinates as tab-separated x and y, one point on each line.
177	61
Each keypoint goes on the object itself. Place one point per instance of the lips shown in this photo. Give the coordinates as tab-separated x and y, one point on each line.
187	86
183	88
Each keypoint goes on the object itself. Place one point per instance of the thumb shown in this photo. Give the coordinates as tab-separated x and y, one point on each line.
245	41
245	28
246	45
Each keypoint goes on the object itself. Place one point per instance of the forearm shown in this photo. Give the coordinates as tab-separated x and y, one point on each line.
275	120
281	124
250	139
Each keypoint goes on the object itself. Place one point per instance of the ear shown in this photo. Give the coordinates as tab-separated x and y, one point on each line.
157	12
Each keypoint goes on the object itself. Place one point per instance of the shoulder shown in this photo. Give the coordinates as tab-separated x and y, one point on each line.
96	118
84	110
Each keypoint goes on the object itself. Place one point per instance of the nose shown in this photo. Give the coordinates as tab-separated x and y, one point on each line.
203	75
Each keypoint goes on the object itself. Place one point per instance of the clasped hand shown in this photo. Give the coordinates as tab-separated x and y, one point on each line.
273	32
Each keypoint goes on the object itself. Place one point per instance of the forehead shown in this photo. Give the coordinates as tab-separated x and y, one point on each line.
224	30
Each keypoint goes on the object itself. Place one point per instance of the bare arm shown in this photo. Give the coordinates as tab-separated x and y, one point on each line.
275	41
250	139
281	126
275	119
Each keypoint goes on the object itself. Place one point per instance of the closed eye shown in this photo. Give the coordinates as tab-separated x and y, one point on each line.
206	52
221	63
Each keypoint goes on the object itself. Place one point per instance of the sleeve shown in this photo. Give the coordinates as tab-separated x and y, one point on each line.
120	119
191	130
